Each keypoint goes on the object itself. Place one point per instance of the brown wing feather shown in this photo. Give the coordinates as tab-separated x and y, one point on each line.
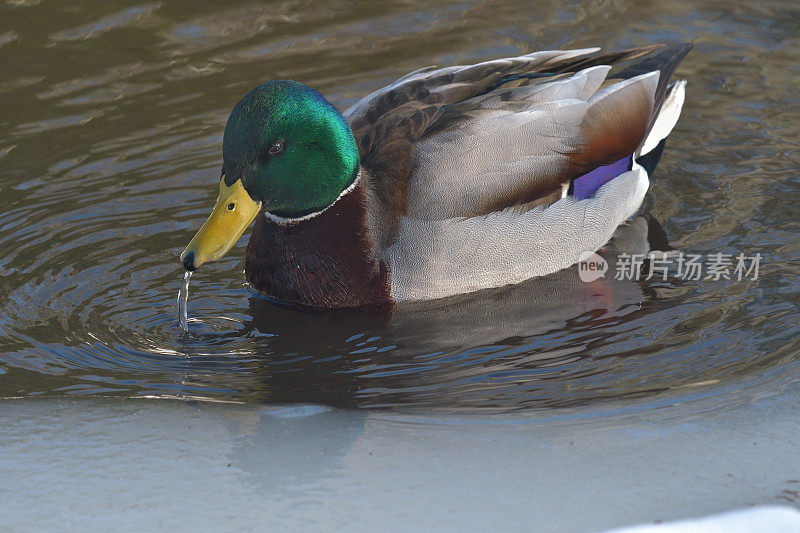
615	125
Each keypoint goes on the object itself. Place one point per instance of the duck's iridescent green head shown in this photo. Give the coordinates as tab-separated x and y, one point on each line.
287	151
290	147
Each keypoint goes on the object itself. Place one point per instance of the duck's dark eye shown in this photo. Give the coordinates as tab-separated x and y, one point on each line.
277	147
231	206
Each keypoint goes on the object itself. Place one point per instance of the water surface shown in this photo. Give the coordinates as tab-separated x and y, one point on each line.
110	150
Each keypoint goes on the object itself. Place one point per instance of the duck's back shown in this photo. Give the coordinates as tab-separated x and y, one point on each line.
473	169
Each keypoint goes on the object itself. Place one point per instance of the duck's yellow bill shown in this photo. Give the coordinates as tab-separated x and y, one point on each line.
232	213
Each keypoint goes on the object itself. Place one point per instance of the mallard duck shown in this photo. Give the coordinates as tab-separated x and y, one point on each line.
447	181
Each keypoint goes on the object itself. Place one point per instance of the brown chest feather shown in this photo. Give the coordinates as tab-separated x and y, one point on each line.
325	261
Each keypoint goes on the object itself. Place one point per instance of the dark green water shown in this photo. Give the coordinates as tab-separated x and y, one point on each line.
111	120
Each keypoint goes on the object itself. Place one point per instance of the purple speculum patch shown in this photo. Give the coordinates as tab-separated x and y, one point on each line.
586	186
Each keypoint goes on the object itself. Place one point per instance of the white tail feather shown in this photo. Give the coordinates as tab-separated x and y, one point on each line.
666	119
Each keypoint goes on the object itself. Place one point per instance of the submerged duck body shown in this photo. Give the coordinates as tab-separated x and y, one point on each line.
447	181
